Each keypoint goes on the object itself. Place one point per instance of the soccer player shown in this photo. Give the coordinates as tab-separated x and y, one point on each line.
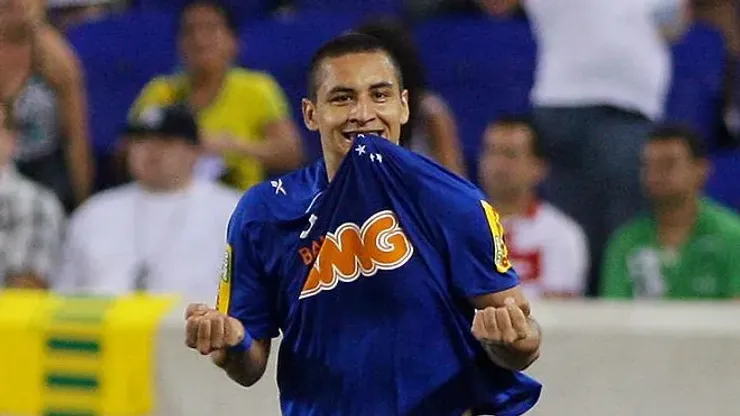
425	318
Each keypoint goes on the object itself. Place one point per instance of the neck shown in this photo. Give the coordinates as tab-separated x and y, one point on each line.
677	215
514	205
206	79
171	188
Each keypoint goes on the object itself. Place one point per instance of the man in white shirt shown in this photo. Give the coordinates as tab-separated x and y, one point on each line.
547	248
602	77
162	233
31	220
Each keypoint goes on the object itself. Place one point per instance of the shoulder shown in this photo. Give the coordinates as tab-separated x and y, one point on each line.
283	198
725	220
638	228
56	58
246	79
99	208
559	222
41	197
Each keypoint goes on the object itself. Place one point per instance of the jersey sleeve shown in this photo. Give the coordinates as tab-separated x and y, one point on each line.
158	92
615	282
244	290
479	262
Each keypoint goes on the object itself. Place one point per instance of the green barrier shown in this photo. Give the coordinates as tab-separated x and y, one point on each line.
78	356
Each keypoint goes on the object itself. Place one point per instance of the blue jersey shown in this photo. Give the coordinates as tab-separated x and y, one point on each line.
368	279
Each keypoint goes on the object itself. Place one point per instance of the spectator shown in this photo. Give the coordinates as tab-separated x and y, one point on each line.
243	114
163	233
41	78
602	77
431	129
688	247
547	248
31	220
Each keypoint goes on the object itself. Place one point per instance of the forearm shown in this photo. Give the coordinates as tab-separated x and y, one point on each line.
247	367
519	356
80	169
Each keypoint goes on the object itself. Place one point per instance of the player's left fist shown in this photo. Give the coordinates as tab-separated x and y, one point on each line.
504	326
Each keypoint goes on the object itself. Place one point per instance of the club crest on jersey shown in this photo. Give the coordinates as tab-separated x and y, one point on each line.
352	251
500	251
224	282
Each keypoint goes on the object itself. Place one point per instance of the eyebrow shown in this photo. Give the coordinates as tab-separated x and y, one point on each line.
377	85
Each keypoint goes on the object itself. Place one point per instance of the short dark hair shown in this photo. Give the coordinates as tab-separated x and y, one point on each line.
689	136
218	7
524	120
347	44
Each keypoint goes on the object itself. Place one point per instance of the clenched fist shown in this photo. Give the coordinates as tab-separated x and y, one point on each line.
505	326
211	332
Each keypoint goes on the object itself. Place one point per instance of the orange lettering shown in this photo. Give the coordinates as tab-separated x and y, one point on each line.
305	255
380	244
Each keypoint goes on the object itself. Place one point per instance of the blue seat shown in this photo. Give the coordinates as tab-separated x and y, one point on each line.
242	10
483	67
283	48
724	183
120	55
360	7
696	92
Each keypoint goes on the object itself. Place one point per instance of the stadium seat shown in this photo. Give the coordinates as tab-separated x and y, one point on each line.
283	47
120	55
242	10
359	7
696	93
483	67
724	183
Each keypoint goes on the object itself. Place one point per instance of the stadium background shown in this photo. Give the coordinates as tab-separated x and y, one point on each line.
484	68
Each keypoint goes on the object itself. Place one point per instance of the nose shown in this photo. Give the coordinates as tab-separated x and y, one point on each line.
361	112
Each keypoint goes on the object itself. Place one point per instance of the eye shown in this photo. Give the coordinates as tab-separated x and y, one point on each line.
380	95
340	98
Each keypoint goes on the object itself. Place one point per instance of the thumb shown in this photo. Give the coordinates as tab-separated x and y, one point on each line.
234	331
219	357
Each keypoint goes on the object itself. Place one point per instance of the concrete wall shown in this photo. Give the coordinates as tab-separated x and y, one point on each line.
599	359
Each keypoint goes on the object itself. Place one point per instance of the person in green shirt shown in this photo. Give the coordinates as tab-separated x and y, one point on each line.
688	247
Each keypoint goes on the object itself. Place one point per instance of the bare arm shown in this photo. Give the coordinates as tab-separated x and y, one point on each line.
444	142
507	331
59	65
245	367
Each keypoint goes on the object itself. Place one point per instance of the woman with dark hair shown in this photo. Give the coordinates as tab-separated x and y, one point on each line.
41	81
431	129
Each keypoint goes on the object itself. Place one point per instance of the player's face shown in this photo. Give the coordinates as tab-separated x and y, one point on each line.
670	173
206	43
161	163
508	167
356	93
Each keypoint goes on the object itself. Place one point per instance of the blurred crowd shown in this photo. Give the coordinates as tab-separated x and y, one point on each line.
602	188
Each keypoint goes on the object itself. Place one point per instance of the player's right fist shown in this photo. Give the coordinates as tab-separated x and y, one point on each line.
208	330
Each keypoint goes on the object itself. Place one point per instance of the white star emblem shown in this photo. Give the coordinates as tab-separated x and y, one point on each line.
360	149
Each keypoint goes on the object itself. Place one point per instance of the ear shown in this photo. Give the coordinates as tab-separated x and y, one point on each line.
543	169
308	108
405	106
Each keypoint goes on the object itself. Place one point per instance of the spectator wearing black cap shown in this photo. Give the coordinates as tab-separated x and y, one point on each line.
162	233
244	115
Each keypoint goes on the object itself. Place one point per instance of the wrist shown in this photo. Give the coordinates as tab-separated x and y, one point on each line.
243	345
